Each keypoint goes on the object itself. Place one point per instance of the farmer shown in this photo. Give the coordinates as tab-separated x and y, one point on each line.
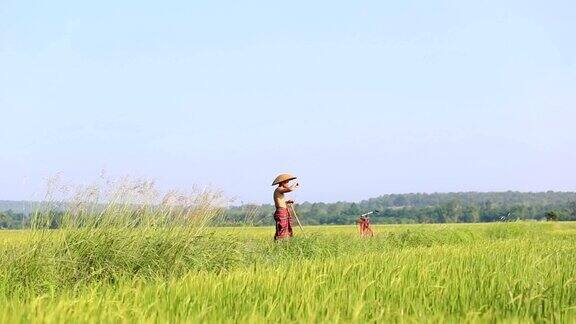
364	225
367	228
361	221
282	216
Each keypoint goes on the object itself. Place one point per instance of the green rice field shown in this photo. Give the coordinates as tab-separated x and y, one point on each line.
479	273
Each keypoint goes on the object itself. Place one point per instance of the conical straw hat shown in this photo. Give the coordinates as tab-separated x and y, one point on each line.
283	177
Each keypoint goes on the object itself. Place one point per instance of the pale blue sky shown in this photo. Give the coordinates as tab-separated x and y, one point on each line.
358	98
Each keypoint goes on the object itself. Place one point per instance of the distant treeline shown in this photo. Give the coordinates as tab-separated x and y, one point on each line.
17	214
464	207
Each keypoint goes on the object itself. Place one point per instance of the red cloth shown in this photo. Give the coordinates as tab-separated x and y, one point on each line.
283	220
362	223
367	230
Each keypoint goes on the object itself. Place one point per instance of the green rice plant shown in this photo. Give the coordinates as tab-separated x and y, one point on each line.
517	280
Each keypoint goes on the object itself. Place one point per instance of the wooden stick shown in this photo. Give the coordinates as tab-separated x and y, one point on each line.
298	220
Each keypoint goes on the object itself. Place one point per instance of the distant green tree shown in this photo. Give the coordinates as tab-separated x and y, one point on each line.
353	210
424	218
474	214
572	208
518	212
400	200
552	216
451	212
318	210
4	220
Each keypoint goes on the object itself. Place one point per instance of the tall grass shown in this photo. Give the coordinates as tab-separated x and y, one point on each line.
123	229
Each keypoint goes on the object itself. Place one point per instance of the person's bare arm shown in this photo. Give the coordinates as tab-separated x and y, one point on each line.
293	187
